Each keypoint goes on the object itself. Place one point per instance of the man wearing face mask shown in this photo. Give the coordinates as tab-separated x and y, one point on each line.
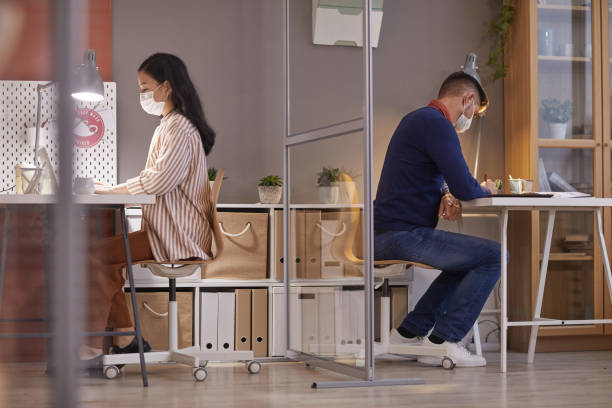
423	178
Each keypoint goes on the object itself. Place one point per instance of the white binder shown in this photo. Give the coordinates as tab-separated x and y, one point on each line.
358	316
326	320
279	322
347	323
208	328
308	301
339	316
225	325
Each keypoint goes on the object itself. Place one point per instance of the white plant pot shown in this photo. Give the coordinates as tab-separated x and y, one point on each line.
346	191
329	194
212	183
557	130
270	194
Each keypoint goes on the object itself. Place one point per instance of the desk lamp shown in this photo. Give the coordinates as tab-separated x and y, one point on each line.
88	87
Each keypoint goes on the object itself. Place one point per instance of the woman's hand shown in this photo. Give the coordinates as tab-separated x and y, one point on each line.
102	188
450	207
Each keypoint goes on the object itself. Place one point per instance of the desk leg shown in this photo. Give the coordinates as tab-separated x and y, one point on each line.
604	251
541	285
504	289
128	258
7	214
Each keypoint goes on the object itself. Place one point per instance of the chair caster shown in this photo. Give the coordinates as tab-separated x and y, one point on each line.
111	372
203	363
448	363
200	374
254	367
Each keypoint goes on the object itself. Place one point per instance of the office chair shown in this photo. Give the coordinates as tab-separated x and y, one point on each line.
191	356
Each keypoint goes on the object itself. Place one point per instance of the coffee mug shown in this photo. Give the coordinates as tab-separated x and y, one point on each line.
84	185
516	186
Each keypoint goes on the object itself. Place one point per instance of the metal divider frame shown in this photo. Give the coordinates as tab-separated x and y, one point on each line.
366	376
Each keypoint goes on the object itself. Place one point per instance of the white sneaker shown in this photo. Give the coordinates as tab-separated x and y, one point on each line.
396	338
455	351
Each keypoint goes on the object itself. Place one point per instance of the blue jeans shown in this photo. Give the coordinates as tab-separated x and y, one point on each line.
470	268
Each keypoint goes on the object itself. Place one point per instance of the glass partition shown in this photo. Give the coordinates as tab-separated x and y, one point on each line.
327	287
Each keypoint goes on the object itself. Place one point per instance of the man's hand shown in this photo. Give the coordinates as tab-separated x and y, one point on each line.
450	207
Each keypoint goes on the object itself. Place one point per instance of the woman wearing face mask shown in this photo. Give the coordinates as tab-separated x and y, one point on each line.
177	226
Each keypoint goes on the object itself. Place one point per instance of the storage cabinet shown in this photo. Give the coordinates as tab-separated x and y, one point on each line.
557	132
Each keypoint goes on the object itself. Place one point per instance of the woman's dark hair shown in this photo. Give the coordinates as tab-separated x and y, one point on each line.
167	67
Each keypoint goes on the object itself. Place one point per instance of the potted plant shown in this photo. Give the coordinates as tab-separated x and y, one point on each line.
327	180
270	190
557	114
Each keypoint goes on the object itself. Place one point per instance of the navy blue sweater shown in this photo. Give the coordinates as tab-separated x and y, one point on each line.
423	154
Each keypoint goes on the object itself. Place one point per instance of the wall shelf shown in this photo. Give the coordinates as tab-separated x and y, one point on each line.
568	143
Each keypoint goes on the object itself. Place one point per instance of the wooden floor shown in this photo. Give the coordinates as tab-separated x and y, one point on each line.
556	380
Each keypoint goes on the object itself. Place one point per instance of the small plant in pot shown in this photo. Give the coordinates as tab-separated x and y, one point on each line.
270	190
327	180
557	114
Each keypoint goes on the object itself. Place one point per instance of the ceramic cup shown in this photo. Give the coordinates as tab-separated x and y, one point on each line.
516	186
84	185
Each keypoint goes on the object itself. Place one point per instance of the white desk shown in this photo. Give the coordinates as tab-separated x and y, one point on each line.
89	199
503	205
7	201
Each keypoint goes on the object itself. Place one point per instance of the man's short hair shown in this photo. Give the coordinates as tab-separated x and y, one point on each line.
457	83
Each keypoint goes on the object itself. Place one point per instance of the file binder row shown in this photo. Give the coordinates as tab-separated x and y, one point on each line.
323	319
327	320
235	321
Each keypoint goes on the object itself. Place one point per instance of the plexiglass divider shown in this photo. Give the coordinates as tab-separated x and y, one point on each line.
328	236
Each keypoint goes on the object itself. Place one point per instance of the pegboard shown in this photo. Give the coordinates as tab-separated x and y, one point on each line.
94	151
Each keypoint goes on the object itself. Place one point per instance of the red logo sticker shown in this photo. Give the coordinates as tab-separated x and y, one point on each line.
90	128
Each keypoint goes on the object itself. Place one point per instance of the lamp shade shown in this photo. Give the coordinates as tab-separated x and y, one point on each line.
88	85
470	68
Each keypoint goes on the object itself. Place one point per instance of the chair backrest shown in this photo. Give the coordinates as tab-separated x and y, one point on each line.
346	235
216	229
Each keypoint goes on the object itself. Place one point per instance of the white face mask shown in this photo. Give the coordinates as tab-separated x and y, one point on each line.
149	104
463	123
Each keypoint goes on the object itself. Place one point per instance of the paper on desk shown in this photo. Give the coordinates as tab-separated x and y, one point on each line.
566	194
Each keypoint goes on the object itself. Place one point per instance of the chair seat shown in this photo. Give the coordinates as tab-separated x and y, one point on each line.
183	268
387	262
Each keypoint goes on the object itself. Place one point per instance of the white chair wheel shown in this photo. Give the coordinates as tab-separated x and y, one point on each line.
448	363
111	372
200	374
254	367
203	363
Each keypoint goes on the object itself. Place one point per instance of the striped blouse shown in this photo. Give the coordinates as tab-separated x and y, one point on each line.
179	223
